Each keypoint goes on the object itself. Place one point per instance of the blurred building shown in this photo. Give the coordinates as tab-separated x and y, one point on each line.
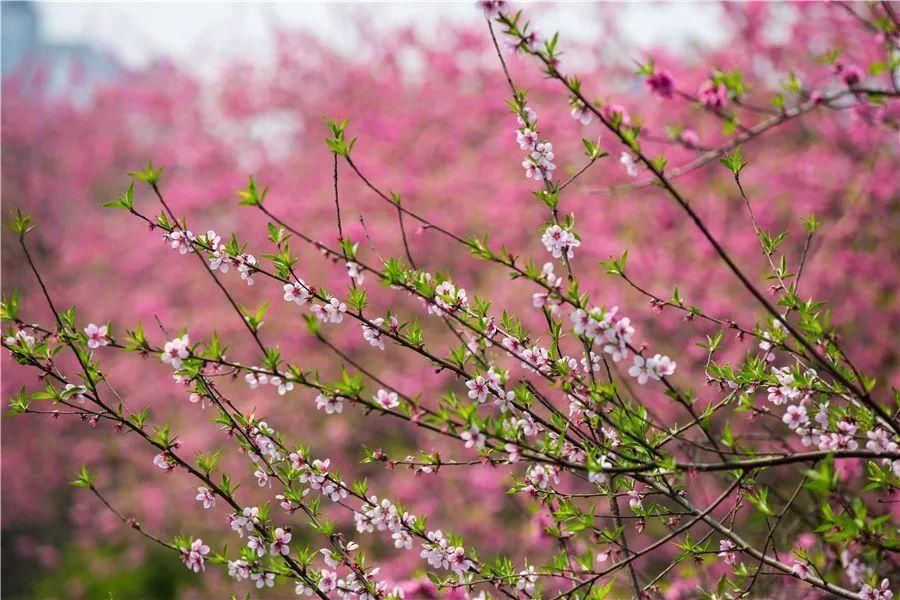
54	68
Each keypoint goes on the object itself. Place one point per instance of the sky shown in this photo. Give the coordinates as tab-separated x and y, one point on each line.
197	36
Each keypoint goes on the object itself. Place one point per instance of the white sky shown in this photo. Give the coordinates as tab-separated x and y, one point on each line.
199	35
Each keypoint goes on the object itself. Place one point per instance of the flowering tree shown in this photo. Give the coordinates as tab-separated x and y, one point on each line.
777	477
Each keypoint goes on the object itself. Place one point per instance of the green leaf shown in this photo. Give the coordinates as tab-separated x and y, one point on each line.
125	201
734	161
148	175
338	142
616	266
207	462
9	307
85	478
659	163
252	196
592	150
601	592
812	223
20	223
19	403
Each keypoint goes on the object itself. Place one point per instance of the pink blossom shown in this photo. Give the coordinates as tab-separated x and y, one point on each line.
175	351
558	240
96	335
661	83
581	113
280	544
257	545
75	392
689	138
332	311
355	273
492	8
616	113
331	404
298	292
802	569
478	389
727	550
713	95
164	462
194	557
629	163
263	579
795	416
386	400
373	334
205	497
882	592
851	75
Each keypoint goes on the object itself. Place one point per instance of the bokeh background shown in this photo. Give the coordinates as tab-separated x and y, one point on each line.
216	92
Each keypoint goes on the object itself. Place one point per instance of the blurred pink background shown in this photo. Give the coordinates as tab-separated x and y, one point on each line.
426	99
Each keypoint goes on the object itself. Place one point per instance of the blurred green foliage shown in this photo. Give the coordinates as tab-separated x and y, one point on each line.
158	576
